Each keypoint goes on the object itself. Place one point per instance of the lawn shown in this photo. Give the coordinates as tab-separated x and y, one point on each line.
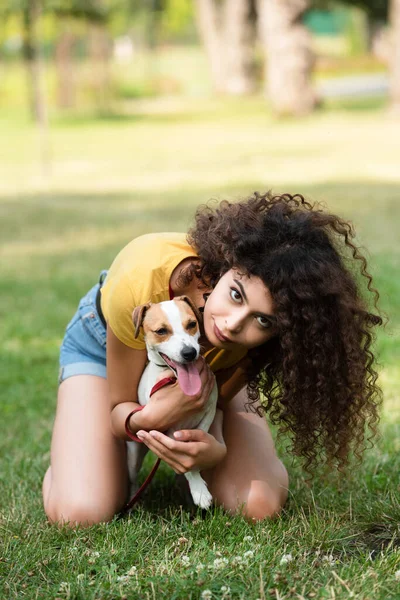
113	179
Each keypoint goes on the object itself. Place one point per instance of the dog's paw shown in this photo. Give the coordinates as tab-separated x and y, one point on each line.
202	497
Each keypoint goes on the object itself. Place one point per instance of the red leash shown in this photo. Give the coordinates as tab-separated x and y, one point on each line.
147	481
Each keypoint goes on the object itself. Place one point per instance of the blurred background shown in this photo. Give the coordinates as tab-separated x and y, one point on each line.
119	117
101	56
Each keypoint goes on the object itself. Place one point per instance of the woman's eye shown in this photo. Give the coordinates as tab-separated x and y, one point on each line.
161	331
264	322
235	295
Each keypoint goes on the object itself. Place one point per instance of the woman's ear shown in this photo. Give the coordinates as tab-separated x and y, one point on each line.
138	317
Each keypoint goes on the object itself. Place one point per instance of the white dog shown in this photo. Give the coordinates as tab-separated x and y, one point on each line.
172	334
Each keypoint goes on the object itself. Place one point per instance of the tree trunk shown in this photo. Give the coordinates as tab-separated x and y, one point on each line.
209	18
239	34
31	53
36	94
289	58
65	68
99	56
395	57
227	32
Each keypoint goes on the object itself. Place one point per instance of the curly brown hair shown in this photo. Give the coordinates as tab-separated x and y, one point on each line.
317	375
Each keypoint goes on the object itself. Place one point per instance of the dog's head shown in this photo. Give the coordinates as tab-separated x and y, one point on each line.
172	331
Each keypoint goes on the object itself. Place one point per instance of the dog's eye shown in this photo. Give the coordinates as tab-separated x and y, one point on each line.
191	325
161	331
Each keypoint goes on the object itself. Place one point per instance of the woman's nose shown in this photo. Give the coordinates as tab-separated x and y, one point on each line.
234	323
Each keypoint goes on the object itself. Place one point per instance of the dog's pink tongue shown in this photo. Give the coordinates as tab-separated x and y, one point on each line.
188	378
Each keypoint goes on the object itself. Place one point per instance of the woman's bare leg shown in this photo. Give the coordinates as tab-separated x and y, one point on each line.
251	479
87	482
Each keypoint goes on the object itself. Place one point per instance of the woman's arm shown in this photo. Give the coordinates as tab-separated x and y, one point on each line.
167	406
125	367
193	448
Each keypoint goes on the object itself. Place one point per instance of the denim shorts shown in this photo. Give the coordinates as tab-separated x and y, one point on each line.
83	349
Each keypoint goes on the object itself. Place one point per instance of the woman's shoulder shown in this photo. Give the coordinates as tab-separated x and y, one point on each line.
160	239
139	274
152	251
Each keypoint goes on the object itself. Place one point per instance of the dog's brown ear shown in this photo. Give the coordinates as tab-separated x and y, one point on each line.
138	316
194	308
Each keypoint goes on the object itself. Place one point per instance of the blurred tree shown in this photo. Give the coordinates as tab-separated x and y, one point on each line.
289	59
95	13
64	48
227	30
177	17
376	9
29	12
395	59
376	12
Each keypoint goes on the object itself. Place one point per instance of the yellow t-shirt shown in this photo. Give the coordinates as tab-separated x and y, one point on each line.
141	273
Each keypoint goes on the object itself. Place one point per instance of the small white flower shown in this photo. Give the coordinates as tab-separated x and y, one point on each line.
63	587
248	554
220	563
286	558
199	567
248	538
80	577
185	560
206	595
93	556
226	590
123	578
397	575
132	571
237	560
328	558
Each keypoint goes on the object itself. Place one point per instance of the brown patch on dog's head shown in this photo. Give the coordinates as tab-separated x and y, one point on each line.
156	325
190	315
138	317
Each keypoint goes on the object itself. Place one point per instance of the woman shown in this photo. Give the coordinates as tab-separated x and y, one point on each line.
282	317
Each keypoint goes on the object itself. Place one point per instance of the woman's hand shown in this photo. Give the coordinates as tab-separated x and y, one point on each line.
198	450
169	404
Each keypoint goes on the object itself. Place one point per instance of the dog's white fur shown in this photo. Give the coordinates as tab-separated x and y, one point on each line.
174	312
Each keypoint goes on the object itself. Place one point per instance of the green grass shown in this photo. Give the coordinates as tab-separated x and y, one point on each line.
109	181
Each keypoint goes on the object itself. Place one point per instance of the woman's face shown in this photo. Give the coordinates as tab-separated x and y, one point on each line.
239	311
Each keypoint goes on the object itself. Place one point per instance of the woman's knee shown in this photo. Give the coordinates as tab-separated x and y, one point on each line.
262	502
79	511
256	501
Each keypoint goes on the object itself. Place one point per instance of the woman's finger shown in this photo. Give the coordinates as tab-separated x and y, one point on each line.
158	446
175	447
162	452
165	440
190	435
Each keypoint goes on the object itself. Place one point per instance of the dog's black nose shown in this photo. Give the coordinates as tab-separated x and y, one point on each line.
188	353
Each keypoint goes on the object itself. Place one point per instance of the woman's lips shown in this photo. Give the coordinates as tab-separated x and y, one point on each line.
219	335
